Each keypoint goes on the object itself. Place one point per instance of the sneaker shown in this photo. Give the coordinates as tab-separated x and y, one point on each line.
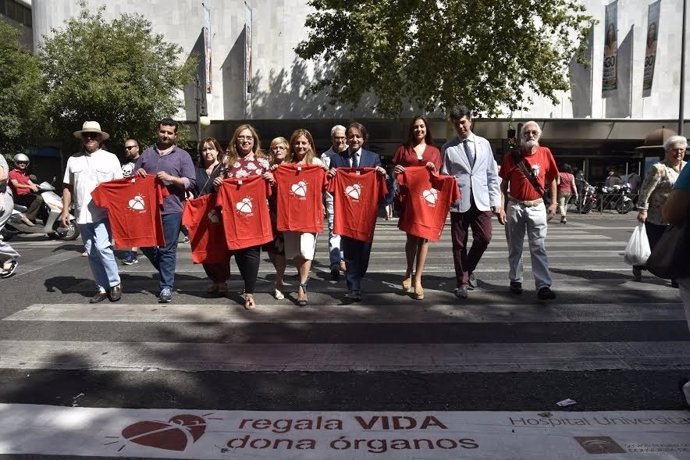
9	268
165	296
461	292
545	293
472	281
516	287
335	273
130	260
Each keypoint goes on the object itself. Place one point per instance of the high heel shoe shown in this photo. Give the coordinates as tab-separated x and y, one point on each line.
418	292
305	301
406	285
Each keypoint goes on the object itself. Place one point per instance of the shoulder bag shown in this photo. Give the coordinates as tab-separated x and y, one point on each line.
520	163
670	258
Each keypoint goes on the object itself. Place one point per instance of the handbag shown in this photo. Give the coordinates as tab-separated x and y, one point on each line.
520	163
637	251
670	258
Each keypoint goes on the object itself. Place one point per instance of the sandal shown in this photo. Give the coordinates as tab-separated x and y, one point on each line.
407	285
305	301
418	292
249	303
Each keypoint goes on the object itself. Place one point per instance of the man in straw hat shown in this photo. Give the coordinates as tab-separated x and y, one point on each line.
84	171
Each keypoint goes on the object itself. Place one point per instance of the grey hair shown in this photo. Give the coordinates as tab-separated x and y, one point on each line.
673	140
527	123
336	128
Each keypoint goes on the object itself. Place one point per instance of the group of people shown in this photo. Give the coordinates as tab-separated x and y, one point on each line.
514	193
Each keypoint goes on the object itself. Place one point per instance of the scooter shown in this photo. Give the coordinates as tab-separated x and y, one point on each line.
49	214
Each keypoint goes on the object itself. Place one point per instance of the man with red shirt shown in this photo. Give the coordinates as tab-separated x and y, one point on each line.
24	190
526	209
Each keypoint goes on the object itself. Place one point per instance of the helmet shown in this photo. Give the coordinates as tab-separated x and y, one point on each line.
20	157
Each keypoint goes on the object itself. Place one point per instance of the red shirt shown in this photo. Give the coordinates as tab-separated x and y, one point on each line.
356	195
134	210
206	233
21	177
300	197
246	219
406	156
541	162
427	198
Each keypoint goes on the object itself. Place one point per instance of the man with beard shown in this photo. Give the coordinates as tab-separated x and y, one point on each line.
174	167
131	156
84	171
529	174
338	144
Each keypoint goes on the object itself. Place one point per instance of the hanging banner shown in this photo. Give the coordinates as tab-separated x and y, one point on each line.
610	75
650	48
207	45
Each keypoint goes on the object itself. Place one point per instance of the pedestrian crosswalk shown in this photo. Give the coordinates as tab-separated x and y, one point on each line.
602	322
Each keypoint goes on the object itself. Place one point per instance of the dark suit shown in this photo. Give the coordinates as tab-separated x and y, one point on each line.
356	253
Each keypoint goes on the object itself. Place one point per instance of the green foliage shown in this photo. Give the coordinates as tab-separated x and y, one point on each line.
118	73
20	93
433	54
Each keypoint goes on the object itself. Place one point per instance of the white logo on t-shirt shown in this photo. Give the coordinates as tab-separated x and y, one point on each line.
137	203
299	189
244	206
430	196
354	191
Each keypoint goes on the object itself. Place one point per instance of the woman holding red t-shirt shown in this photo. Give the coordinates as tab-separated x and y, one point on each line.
244	158
417	151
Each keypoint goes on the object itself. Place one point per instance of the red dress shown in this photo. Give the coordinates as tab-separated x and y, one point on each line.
406	156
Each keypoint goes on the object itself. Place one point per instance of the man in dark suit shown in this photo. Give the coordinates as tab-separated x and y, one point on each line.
355	252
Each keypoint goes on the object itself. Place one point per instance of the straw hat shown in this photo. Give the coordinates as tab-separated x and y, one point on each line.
91	127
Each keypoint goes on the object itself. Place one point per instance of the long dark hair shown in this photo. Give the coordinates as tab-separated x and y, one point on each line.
428	139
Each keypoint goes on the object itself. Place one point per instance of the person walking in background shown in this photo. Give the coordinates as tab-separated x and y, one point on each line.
335	254
470	160
278	152
209	167
244	159
418	150
355	252
529	175
9	258
24	190
131	156
566	189
174	167
84	171
655	190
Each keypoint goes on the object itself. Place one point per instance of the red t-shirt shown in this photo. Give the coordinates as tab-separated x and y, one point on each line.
246	219
356	195
22	178
427	198
541	162
134	210
300	197
406	156
206	233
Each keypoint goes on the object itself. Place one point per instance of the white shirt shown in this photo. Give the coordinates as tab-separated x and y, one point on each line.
84	172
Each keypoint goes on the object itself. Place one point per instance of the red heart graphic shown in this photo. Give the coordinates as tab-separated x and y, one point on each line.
175	434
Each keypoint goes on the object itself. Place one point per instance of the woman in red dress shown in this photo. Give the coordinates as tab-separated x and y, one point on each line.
419	150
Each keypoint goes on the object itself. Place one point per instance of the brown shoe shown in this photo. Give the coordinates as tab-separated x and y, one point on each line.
98	297
115	293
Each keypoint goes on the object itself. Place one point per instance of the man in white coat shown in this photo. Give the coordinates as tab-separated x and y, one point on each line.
470	160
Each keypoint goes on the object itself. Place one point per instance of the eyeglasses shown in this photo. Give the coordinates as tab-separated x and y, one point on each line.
89	135
530	132
129	147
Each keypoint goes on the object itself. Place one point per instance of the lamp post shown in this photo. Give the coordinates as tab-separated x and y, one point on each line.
681	110
202	118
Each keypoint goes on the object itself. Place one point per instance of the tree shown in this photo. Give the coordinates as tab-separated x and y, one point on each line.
432	54
118	73
20	93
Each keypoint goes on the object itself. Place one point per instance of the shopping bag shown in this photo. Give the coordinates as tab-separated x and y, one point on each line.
637	251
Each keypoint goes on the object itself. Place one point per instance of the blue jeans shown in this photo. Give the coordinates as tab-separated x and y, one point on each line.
356	254
164	258
96	238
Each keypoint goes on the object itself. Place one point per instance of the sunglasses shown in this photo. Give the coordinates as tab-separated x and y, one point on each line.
129	147
89	135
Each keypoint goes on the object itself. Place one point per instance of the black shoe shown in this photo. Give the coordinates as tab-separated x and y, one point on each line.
98	297
115	293
472	282
516	287
545	293
674	283
335	273
461	292
637	273
354	296
9	268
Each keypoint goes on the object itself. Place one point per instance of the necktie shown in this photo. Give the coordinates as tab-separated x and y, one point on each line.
353	160
468	151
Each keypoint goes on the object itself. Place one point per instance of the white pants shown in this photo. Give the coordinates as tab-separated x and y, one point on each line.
7	252
530	219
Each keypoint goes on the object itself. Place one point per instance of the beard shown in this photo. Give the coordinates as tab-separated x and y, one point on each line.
531	144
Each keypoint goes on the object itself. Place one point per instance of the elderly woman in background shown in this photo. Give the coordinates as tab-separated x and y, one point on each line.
655	190
418	150
277	154
208	168
566	189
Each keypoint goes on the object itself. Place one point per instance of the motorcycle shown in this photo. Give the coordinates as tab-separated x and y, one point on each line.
49	215
617	197
588	198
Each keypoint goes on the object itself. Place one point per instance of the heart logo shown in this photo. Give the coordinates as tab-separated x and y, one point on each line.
353	191
244	206
213	216
137	203
299	189
430	196
175	434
